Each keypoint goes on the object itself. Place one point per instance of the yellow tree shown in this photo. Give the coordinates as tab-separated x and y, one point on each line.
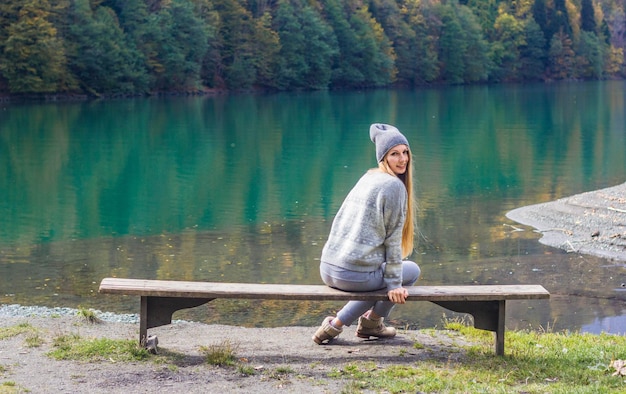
33	59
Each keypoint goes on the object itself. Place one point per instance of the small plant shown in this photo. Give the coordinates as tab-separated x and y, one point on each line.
353	388
418	345
89	315
222	354
280	373
246	370
33	340
284	370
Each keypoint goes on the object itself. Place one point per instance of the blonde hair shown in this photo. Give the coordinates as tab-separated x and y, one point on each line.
408	231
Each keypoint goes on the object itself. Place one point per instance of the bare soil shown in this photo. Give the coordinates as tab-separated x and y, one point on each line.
283	359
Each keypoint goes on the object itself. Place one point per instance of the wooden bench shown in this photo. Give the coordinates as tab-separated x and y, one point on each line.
161	298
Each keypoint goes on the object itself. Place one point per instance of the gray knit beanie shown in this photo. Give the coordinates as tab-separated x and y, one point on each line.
385	137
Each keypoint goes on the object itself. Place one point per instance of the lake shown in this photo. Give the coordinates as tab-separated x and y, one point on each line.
243	188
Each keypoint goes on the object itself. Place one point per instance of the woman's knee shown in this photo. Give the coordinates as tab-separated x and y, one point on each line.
410	272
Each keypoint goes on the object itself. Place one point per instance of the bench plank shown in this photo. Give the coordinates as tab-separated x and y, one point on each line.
161	298
184	289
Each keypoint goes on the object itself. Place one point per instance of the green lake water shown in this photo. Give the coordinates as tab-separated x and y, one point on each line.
243	188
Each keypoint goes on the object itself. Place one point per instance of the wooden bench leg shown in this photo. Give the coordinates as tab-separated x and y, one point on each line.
488	315
158	311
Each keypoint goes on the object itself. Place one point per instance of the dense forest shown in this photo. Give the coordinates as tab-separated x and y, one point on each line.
137	47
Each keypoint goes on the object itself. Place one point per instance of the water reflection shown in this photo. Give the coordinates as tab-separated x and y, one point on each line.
68	273
243	189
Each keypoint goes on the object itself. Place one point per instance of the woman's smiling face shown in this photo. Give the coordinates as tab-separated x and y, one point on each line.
398	158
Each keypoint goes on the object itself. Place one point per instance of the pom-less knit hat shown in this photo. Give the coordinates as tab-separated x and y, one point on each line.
385	137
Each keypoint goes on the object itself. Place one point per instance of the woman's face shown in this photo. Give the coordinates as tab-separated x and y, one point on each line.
398	159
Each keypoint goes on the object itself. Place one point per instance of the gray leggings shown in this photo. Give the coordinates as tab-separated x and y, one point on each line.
346	280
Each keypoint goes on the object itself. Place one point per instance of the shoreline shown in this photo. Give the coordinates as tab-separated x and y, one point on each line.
591	223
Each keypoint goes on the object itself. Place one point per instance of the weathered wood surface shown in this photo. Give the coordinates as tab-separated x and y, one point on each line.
161	298
186	289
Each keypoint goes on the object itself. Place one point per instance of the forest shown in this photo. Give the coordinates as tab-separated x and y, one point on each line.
109	48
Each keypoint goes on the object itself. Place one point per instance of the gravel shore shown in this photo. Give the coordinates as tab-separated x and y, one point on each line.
591	223
282	359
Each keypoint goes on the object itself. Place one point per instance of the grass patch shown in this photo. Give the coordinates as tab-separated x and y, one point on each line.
246	370
535	362
33	340
10	387
12	331
222	354
73	347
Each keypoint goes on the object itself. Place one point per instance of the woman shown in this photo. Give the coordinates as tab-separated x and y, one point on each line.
371	234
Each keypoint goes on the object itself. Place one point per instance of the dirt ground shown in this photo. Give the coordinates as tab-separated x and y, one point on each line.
591	223
283	359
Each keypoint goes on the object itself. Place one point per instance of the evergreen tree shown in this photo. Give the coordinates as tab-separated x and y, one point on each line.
400	34
132	14
346	66
322	48
425	69
540	16
589	56
587	16
266	47
100	54
234	43
476	56
532	52
180	40
293	47
452	46
377	54
486	12
558	19
205	10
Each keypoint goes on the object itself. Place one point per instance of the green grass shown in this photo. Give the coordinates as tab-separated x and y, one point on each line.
10	387
535	362
12	331
73	347
222	354
89	315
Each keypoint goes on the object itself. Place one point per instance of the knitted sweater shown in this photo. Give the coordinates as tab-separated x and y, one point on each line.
367	230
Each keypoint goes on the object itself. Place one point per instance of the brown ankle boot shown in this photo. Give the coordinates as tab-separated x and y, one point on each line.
374	328
326	332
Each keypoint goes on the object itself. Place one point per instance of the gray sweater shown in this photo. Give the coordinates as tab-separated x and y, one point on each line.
367	230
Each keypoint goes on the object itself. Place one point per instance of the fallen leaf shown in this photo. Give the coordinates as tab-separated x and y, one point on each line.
620	367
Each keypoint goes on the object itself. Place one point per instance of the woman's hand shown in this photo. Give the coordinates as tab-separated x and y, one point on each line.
398	296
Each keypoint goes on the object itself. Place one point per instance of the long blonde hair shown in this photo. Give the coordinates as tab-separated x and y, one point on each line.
408	231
